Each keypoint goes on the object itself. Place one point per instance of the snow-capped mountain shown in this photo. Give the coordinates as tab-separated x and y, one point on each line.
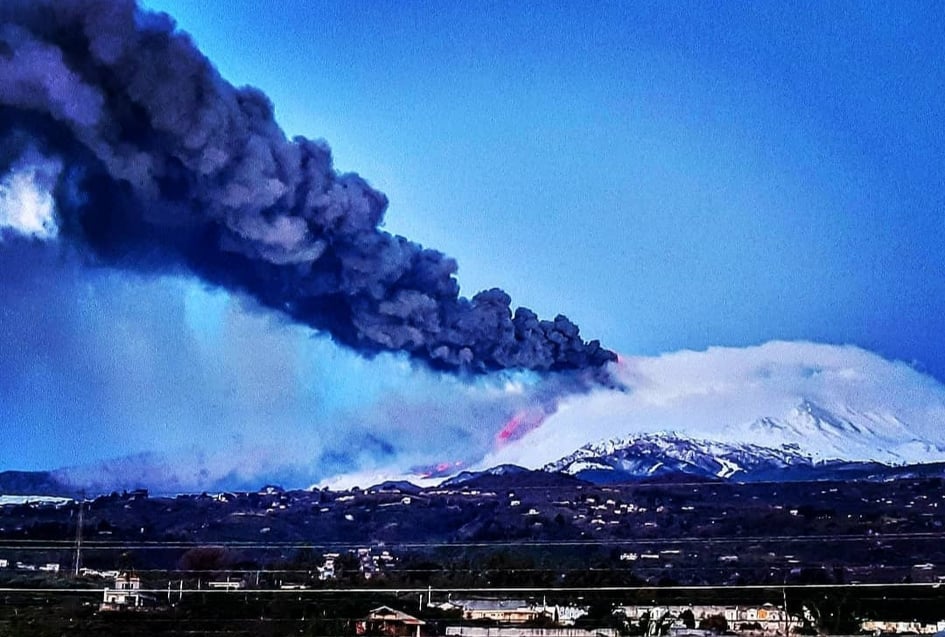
671	455
833	402
809	439
840	432
663	453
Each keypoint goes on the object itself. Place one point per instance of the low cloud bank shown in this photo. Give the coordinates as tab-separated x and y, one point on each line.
722	393
158	381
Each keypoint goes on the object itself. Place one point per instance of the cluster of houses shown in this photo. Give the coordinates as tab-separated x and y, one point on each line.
370	564
512	611
516	618
388	622
48	567
903	628
522	618
127	594
767	618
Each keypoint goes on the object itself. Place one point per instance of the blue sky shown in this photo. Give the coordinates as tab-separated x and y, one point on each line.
670	175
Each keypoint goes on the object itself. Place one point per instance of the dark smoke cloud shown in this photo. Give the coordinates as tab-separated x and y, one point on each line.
168	168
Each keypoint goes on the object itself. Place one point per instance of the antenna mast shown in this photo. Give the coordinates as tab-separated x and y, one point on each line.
78	535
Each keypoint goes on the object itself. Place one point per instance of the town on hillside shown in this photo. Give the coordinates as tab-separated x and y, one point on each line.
497	557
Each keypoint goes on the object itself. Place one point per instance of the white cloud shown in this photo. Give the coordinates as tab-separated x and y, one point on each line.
26	204
365	479
720	392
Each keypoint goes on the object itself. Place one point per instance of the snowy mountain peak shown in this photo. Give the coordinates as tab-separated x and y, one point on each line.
817	418
839	432
821	402
648	454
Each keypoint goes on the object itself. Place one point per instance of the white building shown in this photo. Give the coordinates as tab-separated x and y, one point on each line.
226	585
902	627
126	594
772	619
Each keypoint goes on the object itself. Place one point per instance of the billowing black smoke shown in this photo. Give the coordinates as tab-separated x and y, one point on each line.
167	167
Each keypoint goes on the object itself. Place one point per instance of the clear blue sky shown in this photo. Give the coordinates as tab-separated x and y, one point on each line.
670	175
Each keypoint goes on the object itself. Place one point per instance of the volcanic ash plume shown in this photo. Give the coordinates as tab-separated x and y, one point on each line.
163	166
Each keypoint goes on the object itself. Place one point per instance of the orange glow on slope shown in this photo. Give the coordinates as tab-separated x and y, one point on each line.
520	424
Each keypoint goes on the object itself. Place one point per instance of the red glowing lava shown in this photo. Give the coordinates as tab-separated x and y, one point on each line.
621	362
520	424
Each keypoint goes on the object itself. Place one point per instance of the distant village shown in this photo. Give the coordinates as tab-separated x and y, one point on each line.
650	527
712	535
519	617
470	616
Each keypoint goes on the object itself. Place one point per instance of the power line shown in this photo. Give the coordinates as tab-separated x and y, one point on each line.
503	589
774	539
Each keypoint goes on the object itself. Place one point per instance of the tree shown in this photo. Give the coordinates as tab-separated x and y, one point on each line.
835	613
715	623
205	558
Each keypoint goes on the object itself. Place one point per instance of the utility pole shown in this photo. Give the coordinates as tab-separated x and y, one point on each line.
787	627
78	534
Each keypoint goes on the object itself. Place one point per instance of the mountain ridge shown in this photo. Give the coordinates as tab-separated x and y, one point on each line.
670	455
840	432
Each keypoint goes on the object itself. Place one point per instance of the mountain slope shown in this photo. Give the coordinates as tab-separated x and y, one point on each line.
841	432
669	453
511	476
